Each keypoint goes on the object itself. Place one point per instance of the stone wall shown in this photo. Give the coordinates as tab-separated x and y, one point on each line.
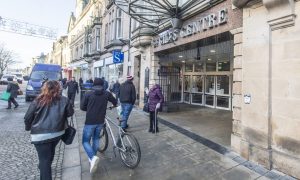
267	130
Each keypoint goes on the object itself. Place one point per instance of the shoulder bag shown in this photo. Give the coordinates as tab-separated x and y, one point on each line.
70	132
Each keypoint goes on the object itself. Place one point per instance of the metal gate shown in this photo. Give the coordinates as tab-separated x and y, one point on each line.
171	83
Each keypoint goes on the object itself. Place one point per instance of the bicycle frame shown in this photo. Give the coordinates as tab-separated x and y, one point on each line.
120	132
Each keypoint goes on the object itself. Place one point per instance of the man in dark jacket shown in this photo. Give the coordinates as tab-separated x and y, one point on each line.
13	89
95	104
105	85
127	99
72	90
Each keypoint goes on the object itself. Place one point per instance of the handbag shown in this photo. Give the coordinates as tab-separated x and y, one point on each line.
5	96
70	132
20	92
146	107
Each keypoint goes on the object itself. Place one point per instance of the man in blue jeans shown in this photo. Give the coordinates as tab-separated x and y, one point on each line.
95	105
127	99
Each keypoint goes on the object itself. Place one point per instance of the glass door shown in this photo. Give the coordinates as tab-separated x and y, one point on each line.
218	91
223	92
186	89
197	90
210	91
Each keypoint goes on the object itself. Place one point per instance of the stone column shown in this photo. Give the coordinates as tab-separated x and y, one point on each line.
237	89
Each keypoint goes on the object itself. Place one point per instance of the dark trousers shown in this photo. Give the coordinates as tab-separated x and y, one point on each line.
46	152
12	100
71	97
152	121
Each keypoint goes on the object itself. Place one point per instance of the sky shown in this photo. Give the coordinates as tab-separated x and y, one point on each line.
49	13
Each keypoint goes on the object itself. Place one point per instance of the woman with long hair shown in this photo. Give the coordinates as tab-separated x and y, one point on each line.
46	118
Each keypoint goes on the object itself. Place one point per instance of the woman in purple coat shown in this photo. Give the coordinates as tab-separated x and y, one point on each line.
155	100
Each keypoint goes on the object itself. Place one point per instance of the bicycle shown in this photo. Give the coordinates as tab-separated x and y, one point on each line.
127	144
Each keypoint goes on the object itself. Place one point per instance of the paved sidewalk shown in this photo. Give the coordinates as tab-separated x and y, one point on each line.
167	155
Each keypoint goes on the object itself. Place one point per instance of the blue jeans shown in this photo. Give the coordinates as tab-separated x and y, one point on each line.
91	132
126	110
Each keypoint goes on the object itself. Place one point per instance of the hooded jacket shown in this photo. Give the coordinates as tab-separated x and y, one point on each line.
155	96
95	105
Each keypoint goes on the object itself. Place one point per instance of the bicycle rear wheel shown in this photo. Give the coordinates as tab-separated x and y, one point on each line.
103	140
130	151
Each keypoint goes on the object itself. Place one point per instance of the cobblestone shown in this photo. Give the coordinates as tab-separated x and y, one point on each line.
18	157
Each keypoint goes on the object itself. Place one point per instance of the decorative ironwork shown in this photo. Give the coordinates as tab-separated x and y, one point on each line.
155	13
28	29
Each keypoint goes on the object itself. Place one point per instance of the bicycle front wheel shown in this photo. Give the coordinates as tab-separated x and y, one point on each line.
103	140
130	151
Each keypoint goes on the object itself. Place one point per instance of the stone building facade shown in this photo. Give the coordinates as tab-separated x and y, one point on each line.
266	100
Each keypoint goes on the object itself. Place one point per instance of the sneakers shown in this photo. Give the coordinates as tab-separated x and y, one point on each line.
94	164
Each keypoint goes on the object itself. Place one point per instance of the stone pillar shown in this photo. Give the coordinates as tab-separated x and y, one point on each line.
237	90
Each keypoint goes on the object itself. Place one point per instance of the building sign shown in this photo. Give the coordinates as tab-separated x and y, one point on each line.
118	57
203	24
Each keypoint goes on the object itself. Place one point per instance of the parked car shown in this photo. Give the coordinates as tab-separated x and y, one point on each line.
19	77
5	76
40	73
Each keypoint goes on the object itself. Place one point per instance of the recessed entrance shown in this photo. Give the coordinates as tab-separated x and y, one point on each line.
198	78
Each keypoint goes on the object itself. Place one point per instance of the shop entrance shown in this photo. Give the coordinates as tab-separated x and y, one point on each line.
211	90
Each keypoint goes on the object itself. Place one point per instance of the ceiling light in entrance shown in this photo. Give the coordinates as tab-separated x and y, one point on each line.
180	56
183	61
212	51
209	59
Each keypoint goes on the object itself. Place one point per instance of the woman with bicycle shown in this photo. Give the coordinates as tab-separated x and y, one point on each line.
155	100
46	118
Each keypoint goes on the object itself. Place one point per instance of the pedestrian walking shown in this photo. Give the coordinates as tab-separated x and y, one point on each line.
80	83
13	89
95	104
127	99
105	83
116	89
46	118
155	100
72	90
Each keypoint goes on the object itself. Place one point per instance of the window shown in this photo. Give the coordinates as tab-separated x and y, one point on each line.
89	44
106	34
98	39
111	25
119	23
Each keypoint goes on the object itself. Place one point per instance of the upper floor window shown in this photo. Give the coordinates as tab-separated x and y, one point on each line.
119	23
98	39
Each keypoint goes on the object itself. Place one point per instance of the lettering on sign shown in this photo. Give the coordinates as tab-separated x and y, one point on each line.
203	24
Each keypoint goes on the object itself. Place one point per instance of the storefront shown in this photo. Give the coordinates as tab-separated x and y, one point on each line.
204	72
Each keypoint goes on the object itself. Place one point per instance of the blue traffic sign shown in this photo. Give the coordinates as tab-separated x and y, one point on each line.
118	57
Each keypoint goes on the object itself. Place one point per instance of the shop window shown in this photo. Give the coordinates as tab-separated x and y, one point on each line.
224	65
120	70
199	67
188	67
211	65
222	85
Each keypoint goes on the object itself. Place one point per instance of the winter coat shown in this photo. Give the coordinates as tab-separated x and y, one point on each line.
127	93
48	119
13	89
155	96
72	87
95	104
